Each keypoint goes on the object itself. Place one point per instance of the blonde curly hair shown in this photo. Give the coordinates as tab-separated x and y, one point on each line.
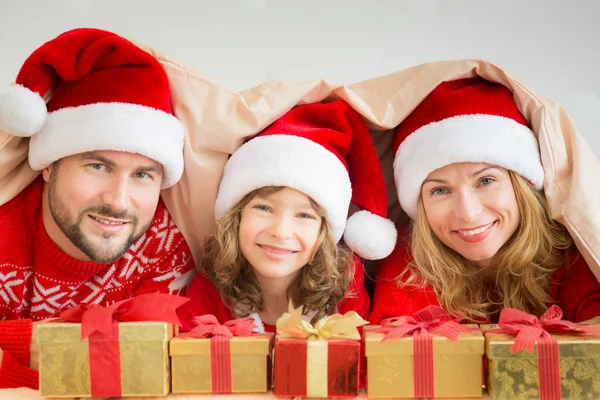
321	284
525	263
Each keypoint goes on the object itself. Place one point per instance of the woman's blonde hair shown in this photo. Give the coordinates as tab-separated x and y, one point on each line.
524	264
321	284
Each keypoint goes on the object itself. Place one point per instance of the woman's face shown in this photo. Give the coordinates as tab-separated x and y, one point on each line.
471	208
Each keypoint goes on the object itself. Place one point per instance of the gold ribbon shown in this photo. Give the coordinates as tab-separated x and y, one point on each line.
291	325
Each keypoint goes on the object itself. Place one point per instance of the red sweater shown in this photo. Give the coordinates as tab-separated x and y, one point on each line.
205	299
575	289
38	280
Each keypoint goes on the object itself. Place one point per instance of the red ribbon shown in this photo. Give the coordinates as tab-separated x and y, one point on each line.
530	330
207	326
100	325
423	323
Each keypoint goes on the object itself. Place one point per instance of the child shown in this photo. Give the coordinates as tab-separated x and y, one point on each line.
281	210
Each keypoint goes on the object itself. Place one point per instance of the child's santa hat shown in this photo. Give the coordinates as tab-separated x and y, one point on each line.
108	95
325	151
467	120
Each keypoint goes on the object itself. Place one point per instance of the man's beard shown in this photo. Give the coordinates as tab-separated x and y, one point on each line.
72	229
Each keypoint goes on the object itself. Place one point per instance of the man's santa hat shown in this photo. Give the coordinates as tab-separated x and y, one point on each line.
325	151
108	94
467	120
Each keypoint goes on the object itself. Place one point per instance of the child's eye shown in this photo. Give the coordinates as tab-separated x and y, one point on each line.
305	215
262	207
439	191
487	181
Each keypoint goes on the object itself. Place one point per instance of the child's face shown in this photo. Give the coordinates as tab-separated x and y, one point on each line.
278	233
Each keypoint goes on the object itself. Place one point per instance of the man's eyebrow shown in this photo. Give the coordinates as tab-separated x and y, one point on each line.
97	157
149	168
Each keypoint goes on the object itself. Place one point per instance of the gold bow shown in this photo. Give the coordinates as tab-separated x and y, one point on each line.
291	324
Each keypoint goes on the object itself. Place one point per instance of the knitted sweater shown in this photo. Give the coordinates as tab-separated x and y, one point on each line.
573	287
205	299
38	280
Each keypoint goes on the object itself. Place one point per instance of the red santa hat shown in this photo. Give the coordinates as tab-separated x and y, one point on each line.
325	151
467	120
108	95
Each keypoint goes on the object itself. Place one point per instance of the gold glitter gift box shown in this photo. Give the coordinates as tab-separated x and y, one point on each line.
457	366
239	365
140	350
515	376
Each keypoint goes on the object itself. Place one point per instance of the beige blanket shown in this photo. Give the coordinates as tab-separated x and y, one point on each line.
218	121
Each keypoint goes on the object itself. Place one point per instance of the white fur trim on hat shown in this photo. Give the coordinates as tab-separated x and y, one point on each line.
111	126
370	236
466	138
260	327
292	161
22	112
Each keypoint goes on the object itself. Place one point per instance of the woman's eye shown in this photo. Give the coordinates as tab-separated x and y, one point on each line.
487	181
439	191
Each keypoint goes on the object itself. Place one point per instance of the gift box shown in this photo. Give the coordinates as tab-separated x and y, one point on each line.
320	360
543	359
99	356
428	355
216	358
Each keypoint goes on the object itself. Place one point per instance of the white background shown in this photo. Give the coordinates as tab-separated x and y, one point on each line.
553	45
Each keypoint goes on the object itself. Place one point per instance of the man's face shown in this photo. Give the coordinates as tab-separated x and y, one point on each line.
101	202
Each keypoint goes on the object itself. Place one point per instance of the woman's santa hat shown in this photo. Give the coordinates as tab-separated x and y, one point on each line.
325	151
108	94
467	120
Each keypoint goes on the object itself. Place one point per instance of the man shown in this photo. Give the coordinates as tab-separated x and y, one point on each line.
92	228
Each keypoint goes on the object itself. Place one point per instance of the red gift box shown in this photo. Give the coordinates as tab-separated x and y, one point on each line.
295	375
319	361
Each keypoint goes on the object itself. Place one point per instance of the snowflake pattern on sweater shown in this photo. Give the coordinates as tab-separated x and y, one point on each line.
38	280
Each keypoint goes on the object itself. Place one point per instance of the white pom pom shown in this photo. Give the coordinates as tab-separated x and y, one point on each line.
22	112
370	236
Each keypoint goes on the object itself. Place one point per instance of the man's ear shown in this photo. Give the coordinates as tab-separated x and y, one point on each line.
46	172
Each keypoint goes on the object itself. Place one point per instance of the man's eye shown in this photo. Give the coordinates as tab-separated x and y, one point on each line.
142	175
98	166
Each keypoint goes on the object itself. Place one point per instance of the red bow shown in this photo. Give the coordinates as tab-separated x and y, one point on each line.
529	329
432	319
146	307
209	326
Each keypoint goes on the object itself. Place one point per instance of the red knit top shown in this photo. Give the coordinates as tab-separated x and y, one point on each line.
38	280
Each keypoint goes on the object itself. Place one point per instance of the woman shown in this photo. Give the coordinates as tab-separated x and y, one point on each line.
468	173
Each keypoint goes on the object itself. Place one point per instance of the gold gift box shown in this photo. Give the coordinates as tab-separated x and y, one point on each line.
250	364
515	376
458	366
65	364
